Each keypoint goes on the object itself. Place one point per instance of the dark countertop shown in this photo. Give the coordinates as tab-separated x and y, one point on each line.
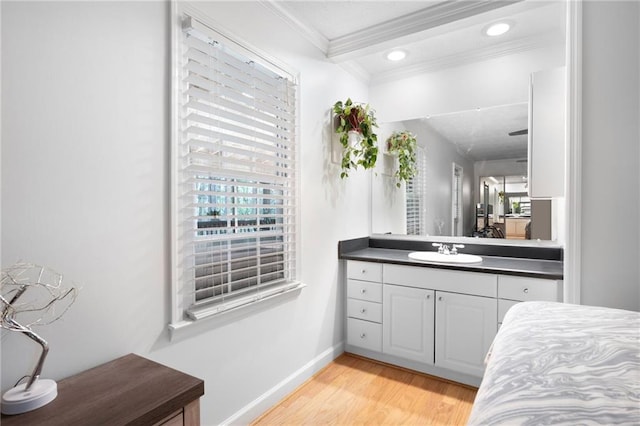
536	268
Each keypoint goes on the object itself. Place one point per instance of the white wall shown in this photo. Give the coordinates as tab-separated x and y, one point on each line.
85	190
610	154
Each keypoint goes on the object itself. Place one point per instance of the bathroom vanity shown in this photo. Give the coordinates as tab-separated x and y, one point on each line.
433	317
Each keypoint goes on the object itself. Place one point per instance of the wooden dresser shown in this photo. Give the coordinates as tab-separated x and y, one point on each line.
130	390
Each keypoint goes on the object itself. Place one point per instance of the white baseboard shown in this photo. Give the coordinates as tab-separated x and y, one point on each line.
274	395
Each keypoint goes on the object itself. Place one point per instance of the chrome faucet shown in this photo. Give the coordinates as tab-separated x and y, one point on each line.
444	249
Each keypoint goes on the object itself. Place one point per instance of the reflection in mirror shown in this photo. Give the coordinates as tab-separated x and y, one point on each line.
461	145
472	179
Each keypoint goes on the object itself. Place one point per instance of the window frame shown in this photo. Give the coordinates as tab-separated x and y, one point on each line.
179	317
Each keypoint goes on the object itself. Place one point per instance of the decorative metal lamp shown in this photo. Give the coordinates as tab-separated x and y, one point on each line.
33	293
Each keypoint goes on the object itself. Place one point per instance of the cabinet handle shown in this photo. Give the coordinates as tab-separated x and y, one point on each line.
363	291
440	298
428	296
362	335
526	290
364	271
363	310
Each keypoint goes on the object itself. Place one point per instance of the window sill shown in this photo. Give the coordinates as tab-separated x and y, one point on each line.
213	318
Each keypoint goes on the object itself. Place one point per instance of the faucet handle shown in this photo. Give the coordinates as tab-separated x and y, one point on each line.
455	247
441	247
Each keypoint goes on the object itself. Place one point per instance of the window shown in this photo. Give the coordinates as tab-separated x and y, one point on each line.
235	175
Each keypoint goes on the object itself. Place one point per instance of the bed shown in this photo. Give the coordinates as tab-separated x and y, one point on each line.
554	363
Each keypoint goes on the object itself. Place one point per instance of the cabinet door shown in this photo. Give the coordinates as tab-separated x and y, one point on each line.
407	322
465	328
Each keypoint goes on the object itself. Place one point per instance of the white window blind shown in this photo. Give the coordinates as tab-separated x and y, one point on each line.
236	176
415	196
456	201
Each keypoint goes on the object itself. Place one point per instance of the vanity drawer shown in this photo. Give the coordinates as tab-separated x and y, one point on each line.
362	309
364	271
364	290
364	334
528	289
473	283
503	307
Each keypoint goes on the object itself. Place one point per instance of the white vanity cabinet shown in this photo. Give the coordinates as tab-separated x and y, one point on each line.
364	305
512	290
463	314
465	328
438	321
408	322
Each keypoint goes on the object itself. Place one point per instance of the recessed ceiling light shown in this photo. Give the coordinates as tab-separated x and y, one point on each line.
497	29
396	55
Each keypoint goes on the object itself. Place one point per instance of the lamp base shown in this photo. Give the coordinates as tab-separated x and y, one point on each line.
18	400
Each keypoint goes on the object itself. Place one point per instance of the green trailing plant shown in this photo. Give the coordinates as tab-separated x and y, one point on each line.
404	145
360	119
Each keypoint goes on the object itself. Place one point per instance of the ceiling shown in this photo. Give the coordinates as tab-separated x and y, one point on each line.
483	134
436	35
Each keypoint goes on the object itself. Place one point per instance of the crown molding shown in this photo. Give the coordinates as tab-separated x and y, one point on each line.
356	70
463	58
305	29
422	20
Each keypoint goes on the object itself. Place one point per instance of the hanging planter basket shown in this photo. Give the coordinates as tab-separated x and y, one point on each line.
354	125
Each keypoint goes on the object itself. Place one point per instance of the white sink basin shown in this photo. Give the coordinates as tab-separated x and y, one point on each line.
433	256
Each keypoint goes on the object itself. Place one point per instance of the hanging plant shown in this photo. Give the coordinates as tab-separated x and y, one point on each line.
404	145
358	121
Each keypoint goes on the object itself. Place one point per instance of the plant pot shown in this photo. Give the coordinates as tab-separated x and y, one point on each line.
354	138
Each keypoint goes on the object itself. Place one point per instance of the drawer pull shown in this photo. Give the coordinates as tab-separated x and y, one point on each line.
363	310
363	291
526	290
362	335
364	271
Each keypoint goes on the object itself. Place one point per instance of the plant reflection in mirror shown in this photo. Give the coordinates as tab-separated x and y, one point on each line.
403	144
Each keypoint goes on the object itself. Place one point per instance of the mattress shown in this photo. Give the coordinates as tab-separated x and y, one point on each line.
561	364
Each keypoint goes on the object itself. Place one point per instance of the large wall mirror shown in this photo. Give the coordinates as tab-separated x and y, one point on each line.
473	162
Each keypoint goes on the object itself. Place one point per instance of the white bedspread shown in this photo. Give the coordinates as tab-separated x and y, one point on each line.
554	363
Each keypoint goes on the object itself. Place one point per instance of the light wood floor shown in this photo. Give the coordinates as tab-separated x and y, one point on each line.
357	391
